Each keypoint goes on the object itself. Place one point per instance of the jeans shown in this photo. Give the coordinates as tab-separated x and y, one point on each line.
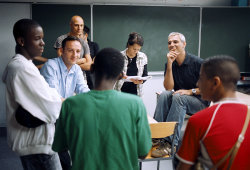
174	107
41	162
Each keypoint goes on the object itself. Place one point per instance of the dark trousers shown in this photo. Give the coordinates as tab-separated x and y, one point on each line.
41	162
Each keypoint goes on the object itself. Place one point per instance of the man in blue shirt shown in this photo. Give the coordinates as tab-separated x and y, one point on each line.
63	74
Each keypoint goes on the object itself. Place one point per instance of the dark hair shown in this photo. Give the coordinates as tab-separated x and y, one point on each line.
223	66
69	38
86	30
108	64
23	26
135	38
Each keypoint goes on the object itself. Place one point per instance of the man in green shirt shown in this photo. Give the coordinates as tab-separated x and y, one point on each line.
104	129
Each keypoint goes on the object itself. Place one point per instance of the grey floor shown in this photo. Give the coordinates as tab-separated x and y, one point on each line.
10	161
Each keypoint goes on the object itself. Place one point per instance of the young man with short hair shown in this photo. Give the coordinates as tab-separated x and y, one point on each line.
26	88
212	132
104	129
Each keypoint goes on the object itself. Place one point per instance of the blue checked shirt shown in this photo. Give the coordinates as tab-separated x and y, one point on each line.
67	83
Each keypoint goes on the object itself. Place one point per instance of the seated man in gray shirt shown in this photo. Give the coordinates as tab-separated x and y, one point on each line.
76	29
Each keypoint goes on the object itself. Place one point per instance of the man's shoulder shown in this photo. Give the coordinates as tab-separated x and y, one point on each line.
51	65
52	62
76	68
84	43
129	98
194	58
59	40
15	66
203	114
62	37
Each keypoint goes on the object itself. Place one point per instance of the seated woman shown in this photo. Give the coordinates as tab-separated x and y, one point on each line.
135	65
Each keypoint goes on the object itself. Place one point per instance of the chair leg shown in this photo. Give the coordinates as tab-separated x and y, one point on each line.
158	165
140	165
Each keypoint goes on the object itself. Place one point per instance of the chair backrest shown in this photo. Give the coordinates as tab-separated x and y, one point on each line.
162	129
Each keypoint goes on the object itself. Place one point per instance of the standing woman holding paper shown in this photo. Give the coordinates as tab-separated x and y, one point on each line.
135	65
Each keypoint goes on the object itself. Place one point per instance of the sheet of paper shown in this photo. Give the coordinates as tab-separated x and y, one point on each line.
128	79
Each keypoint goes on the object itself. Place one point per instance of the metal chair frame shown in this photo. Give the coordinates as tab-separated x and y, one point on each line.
172	154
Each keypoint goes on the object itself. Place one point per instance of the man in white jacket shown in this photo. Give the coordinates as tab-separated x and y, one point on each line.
25	87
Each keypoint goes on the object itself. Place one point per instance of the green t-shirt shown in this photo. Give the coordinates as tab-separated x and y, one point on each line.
103	130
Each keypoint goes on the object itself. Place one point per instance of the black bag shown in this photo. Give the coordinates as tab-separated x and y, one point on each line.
26	119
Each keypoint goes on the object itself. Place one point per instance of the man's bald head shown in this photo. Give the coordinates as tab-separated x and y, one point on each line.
76	26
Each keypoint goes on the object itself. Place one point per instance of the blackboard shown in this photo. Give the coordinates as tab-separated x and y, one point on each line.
226	31
112	25
223	31
55	21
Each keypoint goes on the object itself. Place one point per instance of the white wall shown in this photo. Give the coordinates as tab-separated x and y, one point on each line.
150	88
10	13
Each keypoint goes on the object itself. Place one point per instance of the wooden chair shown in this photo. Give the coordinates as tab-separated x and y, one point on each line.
161	130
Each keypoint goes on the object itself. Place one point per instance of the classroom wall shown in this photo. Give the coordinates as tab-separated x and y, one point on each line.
10	13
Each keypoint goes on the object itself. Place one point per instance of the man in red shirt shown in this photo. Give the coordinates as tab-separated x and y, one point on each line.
212	132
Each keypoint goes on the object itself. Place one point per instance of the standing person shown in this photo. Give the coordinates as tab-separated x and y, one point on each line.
212	132
26	88
76	29
104	129
135	65
182	95
94	48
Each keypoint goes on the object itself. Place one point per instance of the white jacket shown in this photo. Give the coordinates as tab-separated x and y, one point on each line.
25	86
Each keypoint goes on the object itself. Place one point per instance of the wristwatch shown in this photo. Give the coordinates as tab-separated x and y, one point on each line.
194	91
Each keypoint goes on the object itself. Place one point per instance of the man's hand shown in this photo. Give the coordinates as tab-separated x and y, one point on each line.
81	61
183	92
172	55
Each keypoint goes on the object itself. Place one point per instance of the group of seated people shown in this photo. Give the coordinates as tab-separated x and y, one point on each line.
103	128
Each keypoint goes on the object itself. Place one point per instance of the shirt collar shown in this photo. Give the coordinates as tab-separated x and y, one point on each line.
185	62
64	68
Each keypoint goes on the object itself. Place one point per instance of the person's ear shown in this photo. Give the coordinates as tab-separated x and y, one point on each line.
216	82
185	44
20	41
61	50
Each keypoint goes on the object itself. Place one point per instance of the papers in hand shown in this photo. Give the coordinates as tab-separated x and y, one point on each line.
129	78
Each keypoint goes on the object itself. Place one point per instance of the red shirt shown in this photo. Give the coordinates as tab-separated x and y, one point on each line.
219	131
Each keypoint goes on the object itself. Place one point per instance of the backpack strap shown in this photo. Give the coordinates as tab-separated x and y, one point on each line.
233	151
